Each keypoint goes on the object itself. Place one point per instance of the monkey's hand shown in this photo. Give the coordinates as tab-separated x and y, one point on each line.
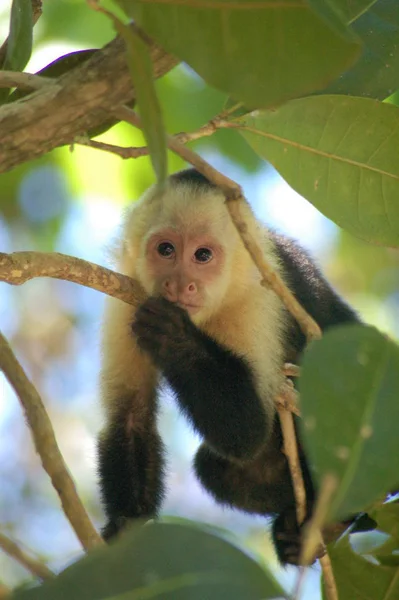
209	381
165	331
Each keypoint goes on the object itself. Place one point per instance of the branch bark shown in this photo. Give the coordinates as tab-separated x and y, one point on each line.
19	267
78	101
24	81
37	568
47	448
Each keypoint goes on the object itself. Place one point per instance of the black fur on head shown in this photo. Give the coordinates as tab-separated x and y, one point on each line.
191	177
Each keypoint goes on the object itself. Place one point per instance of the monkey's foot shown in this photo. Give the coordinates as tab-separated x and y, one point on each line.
288	539
114	527
289	548
119	525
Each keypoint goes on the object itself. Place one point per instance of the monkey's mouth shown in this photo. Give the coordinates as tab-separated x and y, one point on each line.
190	308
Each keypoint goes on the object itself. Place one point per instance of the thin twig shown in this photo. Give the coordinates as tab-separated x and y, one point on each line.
121	151
46	446
286	402
19	267
300	580
328	577
37	568
291	452
24	81
311	538
271	278
205	131
126	152
124	113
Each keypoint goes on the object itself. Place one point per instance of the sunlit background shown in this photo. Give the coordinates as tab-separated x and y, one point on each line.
71	201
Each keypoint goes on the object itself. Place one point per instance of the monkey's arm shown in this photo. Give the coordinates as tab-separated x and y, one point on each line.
130	451
214	387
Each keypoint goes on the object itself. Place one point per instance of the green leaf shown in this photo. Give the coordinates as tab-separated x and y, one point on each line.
341	154
340	12
389	561
140	66
349	401
260	53
19	45
166	561
387	517
333	14
375	74
358	579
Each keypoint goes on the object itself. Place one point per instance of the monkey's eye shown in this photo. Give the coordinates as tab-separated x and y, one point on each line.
203	255
166	249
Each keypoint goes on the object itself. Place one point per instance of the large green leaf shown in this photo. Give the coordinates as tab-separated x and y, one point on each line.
165	561
261	53
341	153
349	401
376	73
387	518
358	579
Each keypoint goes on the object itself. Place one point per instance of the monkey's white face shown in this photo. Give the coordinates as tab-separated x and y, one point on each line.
186	269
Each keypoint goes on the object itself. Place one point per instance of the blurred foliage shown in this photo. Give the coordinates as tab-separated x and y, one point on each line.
173	561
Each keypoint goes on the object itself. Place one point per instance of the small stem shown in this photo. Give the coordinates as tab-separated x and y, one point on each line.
37	568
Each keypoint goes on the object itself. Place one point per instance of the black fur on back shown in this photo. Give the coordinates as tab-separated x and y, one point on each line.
311	289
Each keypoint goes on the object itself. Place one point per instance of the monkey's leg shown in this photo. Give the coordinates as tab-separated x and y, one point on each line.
130	468
214	387
130	451
260	486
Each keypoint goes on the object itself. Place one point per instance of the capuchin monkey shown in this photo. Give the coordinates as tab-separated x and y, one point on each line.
220	340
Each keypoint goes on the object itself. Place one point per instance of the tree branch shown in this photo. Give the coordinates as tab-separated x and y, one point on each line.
25	81
19	267
121	151
76	102
47	448
137	152
37	568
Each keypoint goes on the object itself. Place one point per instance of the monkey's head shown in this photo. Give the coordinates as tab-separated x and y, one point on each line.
180	243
